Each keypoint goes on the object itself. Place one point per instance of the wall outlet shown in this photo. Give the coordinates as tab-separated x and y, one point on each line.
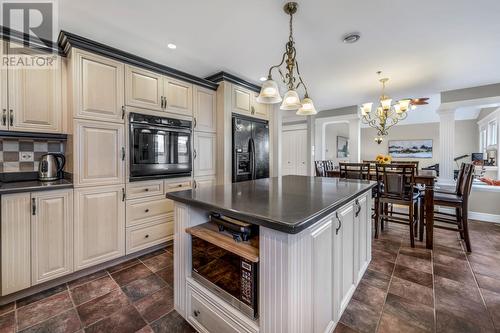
26	156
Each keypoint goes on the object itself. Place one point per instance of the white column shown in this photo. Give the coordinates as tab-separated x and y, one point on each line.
355	140
446	145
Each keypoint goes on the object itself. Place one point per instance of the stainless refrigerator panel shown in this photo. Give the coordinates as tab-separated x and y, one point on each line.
260	136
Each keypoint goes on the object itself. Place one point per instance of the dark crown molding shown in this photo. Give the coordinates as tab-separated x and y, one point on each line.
32	135
68	40
224	76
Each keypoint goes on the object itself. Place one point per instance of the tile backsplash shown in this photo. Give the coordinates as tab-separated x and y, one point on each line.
23	155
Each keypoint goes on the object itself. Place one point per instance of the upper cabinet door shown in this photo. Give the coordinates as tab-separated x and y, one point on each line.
241	100
259	110
51	235
99	88
205	110
143	89
35	98
15	243
178	96
100	153
3	94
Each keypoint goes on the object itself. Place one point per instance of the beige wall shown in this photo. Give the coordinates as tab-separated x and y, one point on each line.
466	139
331	133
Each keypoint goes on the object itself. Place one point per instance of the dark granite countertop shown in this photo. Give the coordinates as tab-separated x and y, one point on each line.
289	204
33	186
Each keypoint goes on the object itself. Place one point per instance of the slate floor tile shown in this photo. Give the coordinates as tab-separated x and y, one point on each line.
137	289
127	275
66	322
93	289
156	305
43	309
172	322
102	307
126	320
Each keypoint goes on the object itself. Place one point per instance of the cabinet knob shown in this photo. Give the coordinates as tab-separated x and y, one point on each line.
180	185
196	313
146	210
146	190
147	236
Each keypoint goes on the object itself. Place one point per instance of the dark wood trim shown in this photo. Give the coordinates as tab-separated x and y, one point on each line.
32	135
69	40
19	37
224	76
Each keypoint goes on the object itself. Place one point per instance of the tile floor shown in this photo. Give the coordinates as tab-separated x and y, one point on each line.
404	290
417	290
135	296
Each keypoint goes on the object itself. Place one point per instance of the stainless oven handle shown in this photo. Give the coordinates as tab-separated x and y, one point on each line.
161	128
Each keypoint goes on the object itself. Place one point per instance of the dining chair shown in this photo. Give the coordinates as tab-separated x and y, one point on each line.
396	183
459	201
354	170
320	168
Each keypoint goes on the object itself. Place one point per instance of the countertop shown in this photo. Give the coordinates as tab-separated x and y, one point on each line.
289	204
33	186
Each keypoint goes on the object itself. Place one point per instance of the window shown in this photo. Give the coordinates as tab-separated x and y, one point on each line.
483	141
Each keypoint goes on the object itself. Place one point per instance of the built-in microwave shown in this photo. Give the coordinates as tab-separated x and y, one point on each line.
230	276
159	147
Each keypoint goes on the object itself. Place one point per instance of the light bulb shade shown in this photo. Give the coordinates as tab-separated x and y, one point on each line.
386	104
366	108
307	108
291	101
269	93
413	107
404	104
380	111
397	108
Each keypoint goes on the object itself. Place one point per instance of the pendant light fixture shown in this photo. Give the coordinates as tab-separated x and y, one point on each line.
270	94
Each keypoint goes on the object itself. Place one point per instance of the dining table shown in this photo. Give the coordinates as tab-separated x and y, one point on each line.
426	178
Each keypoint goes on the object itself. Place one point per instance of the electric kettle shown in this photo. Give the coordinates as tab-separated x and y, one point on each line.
51	166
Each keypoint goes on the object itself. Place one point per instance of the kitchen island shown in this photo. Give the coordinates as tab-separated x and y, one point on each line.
314	246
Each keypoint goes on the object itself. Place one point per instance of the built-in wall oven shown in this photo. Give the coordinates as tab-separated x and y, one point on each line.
222	266
159	147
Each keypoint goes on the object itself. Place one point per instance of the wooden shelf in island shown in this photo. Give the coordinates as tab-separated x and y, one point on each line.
209	232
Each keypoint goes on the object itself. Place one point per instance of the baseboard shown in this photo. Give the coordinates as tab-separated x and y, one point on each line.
484	217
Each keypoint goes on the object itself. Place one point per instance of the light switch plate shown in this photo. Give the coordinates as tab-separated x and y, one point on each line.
26	156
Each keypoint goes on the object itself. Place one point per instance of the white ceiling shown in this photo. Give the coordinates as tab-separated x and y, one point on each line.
424	46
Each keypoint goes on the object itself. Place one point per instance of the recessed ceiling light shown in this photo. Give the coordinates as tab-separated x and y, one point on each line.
263	78
351	38
172	46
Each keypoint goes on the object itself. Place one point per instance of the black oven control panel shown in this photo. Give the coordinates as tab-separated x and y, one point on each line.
159	121
246	282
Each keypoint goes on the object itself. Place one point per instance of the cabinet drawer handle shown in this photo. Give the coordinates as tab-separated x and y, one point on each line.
33	206
146	210
147	236
123	111
194	153
358	206
123	153
194	122
196	313
123	194
253	110
340	223
11	117
4	117
195	184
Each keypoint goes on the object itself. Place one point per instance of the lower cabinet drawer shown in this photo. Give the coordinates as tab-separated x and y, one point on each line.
211	315
144	189
147	209
173	186
147	235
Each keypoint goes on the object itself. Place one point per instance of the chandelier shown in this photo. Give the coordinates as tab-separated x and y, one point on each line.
387	114
290	75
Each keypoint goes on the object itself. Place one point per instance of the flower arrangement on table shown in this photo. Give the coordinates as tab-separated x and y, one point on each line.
383	159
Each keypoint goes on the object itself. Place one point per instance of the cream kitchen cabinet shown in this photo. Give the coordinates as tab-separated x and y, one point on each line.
99	225
16	242
260	110
204	181
98	91
205	110
99	153
149	90
143	89
36	238
204	154
51	235
31	98
244	102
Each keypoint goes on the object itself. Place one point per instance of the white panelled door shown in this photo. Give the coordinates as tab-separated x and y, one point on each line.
294	152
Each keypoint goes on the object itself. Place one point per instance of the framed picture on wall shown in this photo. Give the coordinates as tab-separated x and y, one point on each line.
410	148
342	147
